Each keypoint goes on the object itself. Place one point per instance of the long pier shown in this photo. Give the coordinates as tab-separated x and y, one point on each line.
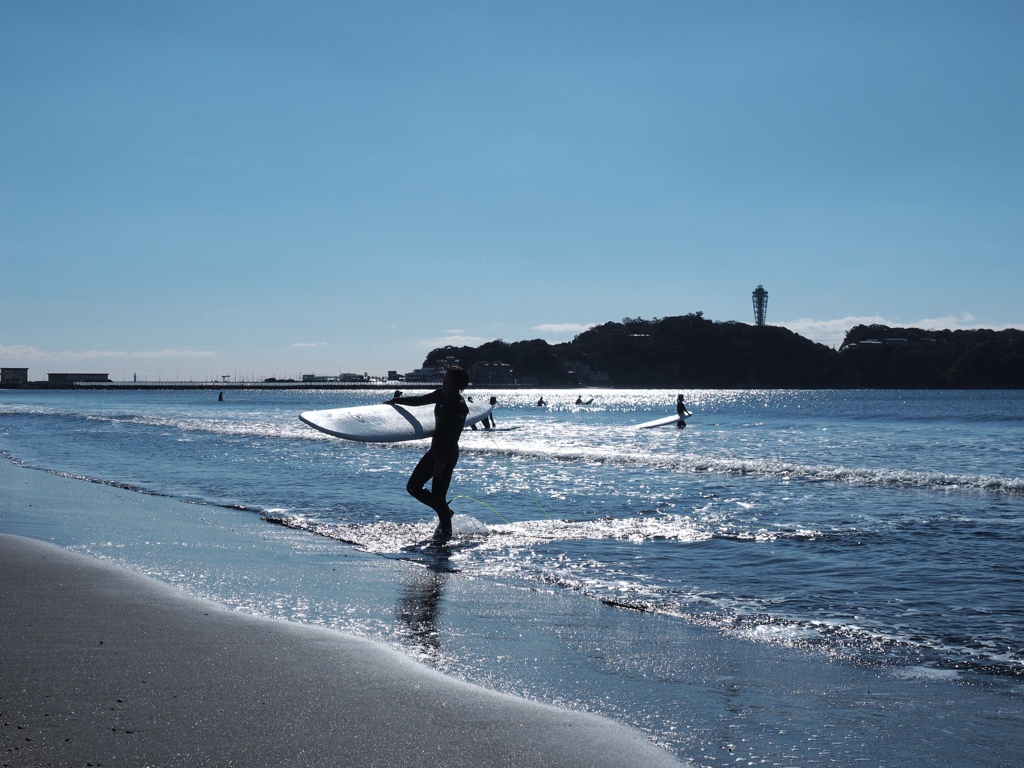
236	385
228	386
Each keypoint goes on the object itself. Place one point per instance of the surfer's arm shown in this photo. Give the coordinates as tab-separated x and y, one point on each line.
427	399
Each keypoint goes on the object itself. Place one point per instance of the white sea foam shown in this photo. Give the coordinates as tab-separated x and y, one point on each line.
778	516
926	673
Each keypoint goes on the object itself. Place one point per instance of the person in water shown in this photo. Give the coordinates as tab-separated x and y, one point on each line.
488	420
683	413
438	463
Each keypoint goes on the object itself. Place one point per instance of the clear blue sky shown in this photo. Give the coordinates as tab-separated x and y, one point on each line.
190	189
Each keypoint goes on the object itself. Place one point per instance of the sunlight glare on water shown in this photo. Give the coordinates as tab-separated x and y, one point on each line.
842	517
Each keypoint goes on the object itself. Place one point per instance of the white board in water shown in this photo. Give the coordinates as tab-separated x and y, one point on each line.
383	423
664	421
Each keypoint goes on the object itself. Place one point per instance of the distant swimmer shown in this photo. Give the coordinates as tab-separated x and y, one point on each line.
220	397
438	463
581	401
489	418
681	410
484	421
541	403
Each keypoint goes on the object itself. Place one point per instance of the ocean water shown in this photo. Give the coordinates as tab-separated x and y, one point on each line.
883	529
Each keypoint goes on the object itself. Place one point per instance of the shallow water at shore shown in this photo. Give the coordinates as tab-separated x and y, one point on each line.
876	529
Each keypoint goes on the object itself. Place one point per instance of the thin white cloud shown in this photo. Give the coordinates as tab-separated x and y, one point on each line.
563	327
833	332
966	321
309	344
20	352
186	353
25	352
453	341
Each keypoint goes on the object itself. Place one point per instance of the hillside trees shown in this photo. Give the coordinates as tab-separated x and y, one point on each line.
691	351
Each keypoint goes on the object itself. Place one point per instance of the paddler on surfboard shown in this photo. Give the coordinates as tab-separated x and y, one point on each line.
438	463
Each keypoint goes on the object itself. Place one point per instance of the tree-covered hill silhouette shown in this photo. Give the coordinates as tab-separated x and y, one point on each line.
691	351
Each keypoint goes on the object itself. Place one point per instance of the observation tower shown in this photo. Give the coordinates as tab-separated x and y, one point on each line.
760	304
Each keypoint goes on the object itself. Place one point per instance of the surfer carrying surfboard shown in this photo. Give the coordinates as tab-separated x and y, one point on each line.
438	463
681	410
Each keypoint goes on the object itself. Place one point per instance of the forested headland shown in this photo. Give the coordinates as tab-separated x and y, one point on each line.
690	351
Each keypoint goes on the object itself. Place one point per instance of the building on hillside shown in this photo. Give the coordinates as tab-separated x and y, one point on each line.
431	374
582	373
578	373
434	373
491	374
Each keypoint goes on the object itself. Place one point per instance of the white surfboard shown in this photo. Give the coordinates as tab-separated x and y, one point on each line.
664	421
383	423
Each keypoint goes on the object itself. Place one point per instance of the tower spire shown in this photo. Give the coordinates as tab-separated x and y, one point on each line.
760	297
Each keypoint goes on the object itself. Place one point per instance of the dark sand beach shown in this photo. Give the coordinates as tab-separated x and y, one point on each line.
106	667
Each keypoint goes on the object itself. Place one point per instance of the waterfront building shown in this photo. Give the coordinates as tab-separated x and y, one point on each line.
67	379
12	377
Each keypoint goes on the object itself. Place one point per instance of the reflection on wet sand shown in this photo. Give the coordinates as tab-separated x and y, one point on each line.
418	608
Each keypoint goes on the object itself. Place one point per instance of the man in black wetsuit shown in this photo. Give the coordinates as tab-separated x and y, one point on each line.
438	463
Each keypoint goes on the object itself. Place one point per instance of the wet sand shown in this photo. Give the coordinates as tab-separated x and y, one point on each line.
106	667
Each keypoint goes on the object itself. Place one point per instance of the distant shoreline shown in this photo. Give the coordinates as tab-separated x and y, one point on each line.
119	386
238	385
231	385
